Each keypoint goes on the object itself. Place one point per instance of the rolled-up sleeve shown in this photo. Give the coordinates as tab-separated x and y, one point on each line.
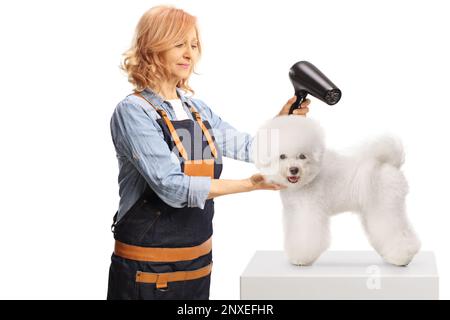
232	142
198	191
139	137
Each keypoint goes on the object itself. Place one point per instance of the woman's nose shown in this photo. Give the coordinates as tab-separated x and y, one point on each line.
188	52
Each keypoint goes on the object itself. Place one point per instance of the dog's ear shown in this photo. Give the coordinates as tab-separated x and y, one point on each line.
261	147
317	154
262	161
255	155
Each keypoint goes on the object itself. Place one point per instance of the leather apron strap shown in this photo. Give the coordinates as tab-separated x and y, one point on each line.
174	134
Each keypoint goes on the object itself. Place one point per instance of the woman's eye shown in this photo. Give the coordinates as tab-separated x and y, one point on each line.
283	156
302	156
182	44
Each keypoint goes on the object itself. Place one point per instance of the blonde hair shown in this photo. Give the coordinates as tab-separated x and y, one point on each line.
157	31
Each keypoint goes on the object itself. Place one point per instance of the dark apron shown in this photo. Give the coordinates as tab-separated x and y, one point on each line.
152	224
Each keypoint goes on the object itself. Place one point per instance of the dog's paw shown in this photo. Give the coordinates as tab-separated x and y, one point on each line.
303	260
301	263
304	254
401	251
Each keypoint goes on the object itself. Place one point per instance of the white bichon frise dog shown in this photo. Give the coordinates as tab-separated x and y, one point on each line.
290	150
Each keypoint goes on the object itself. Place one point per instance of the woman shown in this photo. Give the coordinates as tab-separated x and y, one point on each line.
169	147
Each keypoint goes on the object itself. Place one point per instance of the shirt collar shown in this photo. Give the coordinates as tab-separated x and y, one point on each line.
157	100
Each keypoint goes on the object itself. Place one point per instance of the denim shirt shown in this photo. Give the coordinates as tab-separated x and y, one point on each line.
144	156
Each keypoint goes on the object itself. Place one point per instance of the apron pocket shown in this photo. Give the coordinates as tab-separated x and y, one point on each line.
193	284
148	291
137	224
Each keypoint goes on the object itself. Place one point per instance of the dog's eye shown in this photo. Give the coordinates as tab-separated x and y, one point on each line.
302	156
283	156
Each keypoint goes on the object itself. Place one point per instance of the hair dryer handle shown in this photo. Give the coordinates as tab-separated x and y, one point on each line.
301	95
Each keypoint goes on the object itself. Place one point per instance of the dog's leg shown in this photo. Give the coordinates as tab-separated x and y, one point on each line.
306	234
385	220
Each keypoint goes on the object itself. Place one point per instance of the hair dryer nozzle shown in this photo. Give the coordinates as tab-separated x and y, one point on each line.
307	79
333	96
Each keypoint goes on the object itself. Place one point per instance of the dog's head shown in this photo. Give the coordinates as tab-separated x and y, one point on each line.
288	150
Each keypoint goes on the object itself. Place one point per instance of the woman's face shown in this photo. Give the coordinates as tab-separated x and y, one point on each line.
180	59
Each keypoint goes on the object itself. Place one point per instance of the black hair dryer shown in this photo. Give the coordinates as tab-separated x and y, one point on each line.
306	78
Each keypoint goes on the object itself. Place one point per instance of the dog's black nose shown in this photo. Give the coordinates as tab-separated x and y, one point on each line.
293	170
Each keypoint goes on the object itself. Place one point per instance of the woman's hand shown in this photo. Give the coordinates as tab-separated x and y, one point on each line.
302	111
221	187
258	182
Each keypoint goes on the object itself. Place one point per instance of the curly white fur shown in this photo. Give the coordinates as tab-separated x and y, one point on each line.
290	150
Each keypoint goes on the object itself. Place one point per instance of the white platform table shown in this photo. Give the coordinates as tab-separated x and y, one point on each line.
339	275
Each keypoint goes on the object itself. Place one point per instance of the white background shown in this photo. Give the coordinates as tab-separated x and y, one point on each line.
60	82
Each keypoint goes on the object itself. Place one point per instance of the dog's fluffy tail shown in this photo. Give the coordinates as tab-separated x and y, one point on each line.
385	149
